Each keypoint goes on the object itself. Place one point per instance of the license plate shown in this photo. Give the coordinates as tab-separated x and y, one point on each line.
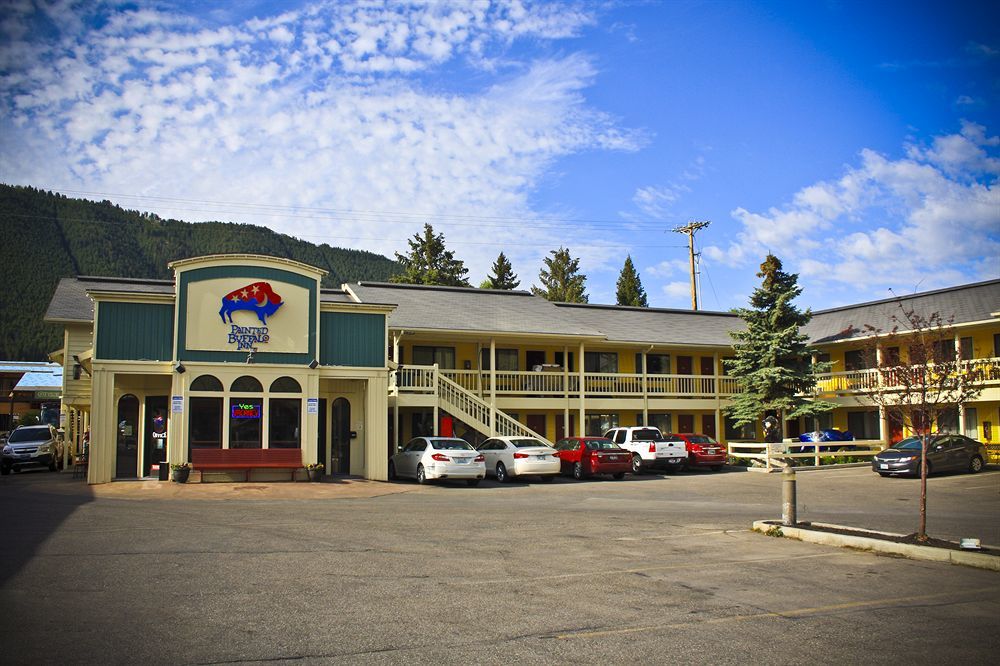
883	466
713	451
461	461
541	457
612	457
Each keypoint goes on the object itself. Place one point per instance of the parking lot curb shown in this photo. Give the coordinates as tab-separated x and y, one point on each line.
910	551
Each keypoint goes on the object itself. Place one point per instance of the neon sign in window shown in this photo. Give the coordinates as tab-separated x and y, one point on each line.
245	410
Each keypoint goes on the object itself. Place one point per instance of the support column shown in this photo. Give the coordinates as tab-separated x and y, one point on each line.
645	390
310	425
376	435
566	428
103	433
437	400
493	387
583	403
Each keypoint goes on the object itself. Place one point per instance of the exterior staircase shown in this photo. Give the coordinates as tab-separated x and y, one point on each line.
476	412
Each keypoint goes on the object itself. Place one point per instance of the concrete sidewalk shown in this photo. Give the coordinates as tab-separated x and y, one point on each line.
329	488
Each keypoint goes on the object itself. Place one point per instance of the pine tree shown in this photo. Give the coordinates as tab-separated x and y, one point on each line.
562	281
630	291
773	362
502	276
428	262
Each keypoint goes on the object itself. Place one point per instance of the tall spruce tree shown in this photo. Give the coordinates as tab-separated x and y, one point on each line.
773	362
428	262
561	279
630	291
502	275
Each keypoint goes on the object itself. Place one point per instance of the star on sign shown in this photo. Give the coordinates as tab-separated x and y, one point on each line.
245	294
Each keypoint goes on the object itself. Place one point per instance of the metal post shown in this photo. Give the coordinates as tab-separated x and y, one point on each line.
789	514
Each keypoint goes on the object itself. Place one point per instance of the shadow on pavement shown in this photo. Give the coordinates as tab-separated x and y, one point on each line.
35	504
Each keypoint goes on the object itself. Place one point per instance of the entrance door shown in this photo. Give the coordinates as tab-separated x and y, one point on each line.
708	425
533	358
684	365
561	428
155	449
537	423
340	452
685	423
127	453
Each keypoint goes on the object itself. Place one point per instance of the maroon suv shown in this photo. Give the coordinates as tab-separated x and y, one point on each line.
586	456
703	451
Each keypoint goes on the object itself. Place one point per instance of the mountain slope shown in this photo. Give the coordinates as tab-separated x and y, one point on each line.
46	236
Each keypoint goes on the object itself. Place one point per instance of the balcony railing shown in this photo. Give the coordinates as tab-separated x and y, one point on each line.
420	379
863	380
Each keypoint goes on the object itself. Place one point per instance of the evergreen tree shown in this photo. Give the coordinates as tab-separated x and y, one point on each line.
773	362
630	291
562	281
502	276
428	262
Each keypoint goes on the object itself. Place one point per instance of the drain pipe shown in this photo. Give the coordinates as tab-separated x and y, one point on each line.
789	514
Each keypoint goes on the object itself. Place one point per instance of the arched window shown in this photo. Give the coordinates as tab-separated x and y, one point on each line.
285	385
206	383
246	384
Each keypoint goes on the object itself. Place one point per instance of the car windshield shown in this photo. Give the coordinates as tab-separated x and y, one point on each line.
910	443
451	445
28	435
595	444
521	443
701	439
647	435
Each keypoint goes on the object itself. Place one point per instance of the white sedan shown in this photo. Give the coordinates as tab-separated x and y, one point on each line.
507	457
427	458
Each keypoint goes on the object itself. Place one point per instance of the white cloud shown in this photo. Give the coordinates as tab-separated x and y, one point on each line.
676	291
931	216
324	110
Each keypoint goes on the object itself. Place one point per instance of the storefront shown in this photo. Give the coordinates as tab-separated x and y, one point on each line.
237	352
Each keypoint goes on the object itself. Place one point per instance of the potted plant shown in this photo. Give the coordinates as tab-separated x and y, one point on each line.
180	472
315	471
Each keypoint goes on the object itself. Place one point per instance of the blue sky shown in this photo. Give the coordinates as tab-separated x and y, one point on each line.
857	141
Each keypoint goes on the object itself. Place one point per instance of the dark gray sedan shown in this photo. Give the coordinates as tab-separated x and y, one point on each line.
945	452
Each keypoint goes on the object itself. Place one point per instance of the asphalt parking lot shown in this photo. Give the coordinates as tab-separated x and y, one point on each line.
655	569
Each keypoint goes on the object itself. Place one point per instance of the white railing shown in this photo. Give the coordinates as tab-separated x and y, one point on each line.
988	370
420	379
770	457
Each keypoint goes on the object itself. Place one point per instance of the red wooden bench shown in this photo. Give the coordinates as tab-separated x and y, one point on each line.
247	459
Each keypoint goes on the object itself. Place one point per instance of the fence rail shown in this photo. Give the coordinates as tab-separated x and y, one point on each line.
772	456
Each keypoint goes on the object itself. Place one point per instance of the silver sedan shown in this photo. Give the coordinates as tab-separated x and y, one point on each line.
427	458
507	457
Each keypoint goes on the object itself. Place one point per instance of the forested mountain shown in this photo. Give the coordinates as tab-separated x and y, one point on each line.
47	236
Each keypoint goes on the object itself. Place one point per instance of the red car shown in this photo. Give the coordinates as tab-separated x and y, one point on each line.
703	451
586	456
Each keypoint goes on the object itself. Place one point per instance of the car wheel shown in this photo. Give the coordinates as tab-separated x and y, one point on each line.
53	466
502	473
472	482
392	472
5	470
618	476
421	475
547	479
975	465
578	470
636	463
883	473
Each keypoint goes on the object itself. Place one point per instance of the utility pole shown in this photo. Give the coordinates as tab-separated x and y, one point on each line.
690	229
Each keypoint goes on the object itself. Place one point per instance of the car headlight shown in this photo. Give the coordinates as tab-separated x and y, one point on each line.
8	450
906	459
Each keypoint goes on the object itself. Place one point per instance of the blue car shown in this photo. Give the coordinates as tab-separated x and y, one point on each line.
828	435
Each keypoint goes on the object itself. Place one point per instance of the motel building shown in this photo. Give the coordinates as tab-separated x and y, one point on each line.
249	352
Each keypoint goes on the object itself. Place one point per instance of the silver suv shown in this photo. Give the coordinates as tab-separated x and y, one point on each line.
28	446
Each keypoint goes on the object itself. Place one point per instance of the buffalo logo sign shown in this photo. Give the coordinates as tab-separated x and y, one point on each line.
258	298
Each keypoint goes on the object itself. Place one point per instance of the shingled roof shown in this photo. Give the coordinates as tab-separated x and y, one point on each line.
70	302
963	304
421	307
655	325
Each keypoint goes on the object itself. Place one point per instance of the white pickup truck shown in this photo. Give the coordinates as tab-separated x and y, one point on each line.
649	448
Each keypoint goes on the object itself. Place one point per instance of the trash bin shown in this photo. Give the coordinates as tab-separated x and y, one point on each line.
164	470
